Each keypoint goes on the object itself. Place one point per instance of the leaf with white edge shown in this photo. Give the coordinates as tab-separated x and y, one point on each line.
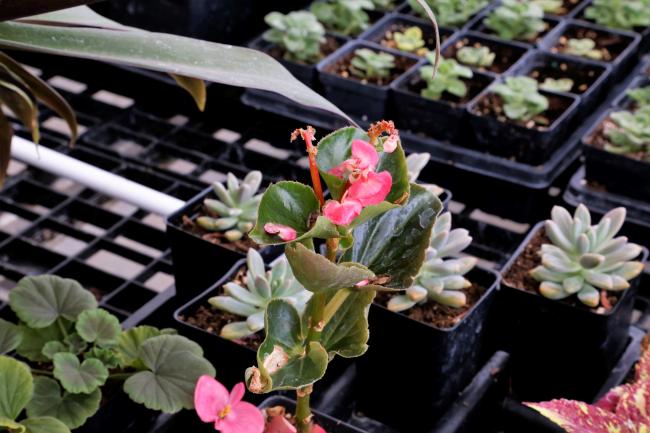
39	301
44	424
79	377
10	336
11	426
34	340
98	326
294	205
129	342
16	387
71	409
174	364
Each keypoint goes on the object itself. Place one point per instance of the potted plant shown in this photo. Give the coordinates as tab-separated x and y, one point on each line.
436	106
344	17
635	96
78	360
558	7
516	20
568	291
628	15
449	13
358	77
514	119
484	53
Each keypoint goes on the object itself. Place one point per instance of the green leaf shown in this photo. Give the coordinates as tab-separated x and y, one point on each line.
22	105
395	243
98	326
79	377
11	426
75	343
108	357
71	409
346	333
333	149
285	360
39	301
370	212
395	164
129	343
45	424
16	387
51	348
194	87
10	336
291	204
34	340
174	365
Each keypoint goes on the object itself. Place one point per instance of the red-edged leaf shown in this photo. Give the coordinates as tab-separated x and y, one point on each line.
579	417
610	400
634	403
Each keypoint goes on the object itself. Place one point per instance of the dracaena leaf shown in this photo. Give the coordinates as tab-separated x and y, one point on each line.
98	326
10	336
79	377
21	104
16	387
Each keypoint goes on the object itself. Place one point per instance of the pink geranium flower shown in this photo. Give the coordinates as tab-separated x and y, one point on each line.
226	410
285	233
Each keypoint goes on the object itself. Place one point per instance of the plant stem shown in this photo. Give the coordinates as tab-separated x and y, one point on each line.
59	322
334	304
120	376
303	411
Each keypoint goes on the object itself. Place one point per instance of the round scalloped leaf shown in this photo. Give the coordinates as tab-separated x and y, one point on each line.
10	336
71	409
44	424
51	348
98	326
39	301
79	377
129	342
174	365
16	387
34	340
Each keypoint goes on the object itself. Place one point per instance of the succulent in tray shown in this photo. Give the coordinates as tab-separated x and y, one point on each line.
584	47
640	95
583	259
298	33
411	40
235	210
516	20
415	163
450	12
521	98
629	132
619	14
371	64
449	78
550	6
72	349
557	84
479	56
441	278
347	17
248	298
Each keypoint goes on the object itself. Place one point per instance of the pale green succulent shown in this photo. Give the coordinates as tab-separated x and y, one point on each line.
522	100
450	12
557	85
583	258
415	163
640	95
299	33
550	6
583	48
235	211
516	19
260	287
348	17
369	64
411	40
630	131
620	14
480	56
448	78
441	278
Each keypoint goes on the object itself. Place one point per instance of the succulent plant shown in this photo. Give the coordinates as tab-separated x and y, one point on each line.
480	56
299	34
441	278
411	40
370	64
516	20
447	79
630	132
550	6
620	14
235	211
584	258
640	95
415	163
384	5
348	17
583	48
521	99
557	85
261	287
450	12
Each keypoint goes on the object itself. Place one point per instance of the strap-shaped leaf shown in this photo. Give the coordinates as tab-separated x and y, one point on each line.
21	104
98	326
44	424
16	387
79	377
10	336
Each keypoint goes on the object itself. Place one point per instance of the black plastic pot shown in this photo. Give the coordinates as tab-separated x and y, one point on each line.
623	101
118	413
439	365
444	119
551	23
366	101
559	350
511	139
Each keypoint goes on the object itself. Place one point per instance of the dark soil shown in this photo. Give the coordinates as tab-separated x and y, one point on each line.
330	45
492	105
610	45
599	140
475	86
342	68
505	55
518	276
549	26
386	38
583	77
218	238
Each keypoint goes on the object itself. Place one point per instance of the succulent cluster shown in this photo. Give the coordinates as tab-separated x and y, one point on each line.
371	64
235	211
411	40
447	79
640	95
583	48
415	163
441	278
557	84
620	14
384	5
629	132
550	6
584	258
347	17
298	33
450	12
259	287
516	20
521	98
478	56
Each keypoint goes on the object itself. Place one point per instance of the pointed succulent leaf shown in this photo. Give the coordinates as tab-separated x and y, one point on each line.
451	298
10	336
79	377
552	290
98	326
232	305
16	385
573	284
400	303
44	424
236	331
243	295
589	296
540	273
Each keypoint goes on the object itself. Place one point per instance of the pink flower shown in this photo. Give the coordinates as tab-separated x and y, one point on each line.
229	413
364	159
391	144
342	213
372	190
279	424
381	127
285	233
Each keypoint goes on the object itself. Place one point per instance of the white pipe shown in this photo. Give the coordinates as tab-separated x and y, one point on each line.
95	178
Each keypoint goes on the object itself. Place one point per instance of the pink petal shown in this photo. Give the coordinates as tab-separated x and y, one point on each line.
366	155
343	213
243	418
237	393
372	190
285	233
362	283
391	143
610	400
279	424
579	417
343	169
210	398
317	429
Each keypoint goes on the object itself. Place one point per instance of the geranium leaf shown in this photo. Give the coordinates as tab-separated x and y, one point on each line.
51	348
11	426
174	365
79	377
34	340
71	409
16	387
129	342
44	424
107	356
579	417
98	326
10	336
75	343
39	301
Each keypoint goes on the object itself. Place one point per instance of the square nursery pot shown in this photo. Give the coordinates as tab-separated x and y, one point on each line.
111	418
507	53
622	46
560	349
445	118
420	369
367	101
198	263
623	101
622	174
512	139
589	78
